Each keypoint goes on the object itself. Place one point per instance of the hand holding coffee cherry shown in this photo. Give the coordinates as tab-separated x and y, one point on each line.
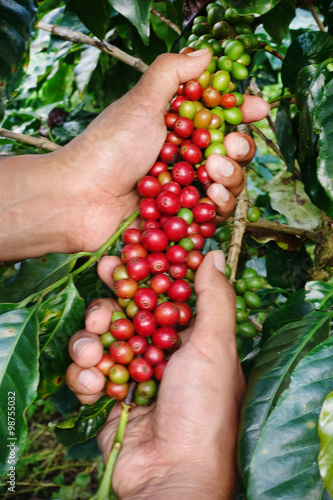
188	436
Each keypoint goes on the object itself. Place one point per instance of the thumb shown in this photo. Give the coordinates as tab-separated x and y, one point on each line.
163	77
215	322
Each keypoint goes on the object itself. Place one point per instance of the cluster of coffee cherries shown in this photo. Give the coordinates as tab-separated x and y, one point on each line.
153	283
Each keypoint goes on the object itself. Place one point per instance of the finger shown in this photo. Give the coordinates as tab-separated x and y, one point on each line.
98	315
85	349
85	381
215	321
105	268
223	198
163	77
225	171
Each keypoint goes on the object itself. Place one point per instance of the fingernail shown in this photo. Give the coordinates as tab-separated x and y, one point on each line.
196	53
91	310
219	261
219	192
226	167
87	378
80	345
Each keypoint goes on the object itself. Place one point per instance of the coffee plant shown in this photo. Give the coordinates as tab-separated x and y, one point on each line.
57	62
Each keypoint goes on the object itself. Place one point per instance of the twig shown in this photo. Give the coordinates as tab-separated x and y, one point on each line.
238	232
78	37
165	20
277	227
255	323
272	51
38	142
271	144
315	16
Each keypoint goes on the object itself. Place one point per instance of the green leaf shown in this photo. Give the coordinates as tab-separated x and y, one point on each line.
18	378
16	29
325	431
295	308
276	21
86	424
137	12
289	199
37	274
271	375
320	295
253	7
89	58
59	318
310	48
285	138
287	269
94	15
323	121
284	463
56	88
161	29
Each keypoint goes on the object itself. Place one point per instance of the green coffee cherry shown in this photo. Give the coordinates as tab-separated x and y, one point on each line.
233	116
225	63
216	47
107	339
215	15
221	30
232	16
249	273
246	330
239	97
242	28
221	80
234	50
199	20
239	71
254	283
211	66
215	147
186	243
240	303
216	135
241	315
142	401
240	287
227	271
253	214
222	234
147	389
187	109
244	59
118	315
200	29
252	300
186	214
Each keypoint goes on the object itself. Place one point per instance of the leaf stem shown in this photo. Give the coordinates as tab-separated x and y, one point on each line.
280	97
103	492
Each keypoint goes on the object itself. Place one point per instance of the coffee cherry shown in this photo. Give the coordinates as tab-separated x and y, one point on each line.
154	240
177	271
165	178
122	329
193	90
148	209
189	196
185	313
119	374
180	290
138	268
170	119
138	344
160	283
207	229
198	241
168	203
119	273
158	262
121	352
176	254
149	186
201	138
105	364
203	176
144	323
107	339
142	401
169	152
159	370
194	227
187	243
154	355
166	314
147	389
253	214
211	97
116	391
176	228
176	102
158	168
131	235
126	288
146	299
183	127
203	212
194	259
191	153
140	370
165	337
172	186
183	173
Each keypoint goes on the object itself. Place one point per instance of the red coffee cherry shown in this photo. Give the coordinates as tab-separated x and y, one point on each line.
169	153
193	90
145	298
158	262
144	323
228	101
176	254
154	355
116	391
174	138
166	314
177	271
138	269
198	240
138	344
189	196
131	235
165	337
201	138
149	186
203	176
191	153
170	119
183	172
172	186
176	102
126	288
149	224
185	313
155	240
158	168
160	283
194	259
183	127
211	97
133	251
203	212
207	229
180	290
121	352
105	364
148	209
168	203
122	329
175	228
159	370
193	228
140	370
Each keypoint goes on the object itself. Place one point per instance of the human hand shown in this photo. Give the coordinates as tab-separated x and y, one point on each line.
184	444
104	163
